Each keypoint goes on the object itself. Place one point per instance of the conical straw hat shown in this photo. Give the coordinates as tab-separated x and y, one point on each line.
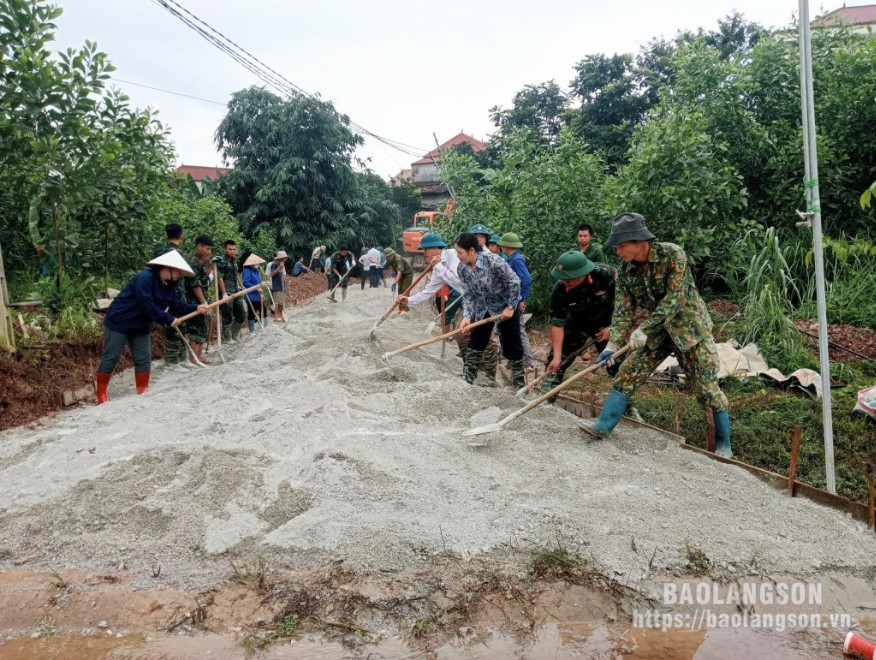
172	259
253	260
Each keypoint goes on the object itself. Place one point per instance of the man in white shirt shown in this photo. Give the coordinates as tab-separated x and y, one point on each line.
444	271
374	257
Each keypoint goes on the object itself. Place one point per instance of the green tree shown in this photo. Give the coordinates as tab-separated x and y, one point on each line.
540	192
679	178
292	174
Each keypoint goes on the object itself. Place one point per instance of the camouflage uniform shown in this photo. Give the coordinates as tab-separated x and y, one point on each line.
196	328
402	266
234	312
174	348
678	323
581	312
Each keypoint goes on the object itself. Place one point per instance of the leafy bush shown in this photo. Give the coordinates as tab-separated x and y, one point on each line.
540	192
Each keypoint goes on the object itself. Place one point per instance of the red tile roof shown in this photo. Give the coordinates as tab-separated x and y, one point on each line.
476	145
201	172
848	16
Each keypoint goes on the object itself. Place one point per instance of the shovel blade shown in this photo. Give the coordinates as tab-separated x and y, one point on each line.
481	430
373	333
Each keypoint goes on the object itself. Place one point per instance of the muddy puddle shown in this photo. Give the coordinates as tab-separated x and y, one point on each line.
564	640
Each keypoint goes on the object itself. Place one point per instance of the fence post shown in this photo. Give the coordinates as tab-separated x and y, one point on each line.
7	333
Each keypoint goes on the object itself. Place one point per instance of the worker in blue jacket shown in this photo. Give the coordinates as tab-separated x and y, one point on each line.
151	296
510	245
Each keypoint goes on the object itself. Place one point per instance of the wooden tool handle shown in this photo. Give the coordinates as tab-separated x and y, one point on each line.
407	291
559	388
220	302
446	335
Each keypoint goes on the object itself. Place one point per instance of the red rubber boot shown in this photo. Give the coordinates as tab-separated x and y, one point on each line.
102	382
142	378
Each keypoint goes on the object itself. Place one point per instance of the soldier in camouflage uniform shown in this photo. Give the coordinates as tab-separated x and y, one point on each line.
197	287
655	277
581	306
234	312
174	348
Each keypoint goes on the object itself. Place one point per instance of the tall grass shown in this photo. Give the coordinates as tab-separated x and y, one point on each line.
767	293
850	274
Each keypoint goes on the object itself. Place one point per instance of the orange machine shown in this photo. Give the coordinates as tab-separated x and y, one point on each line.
424	222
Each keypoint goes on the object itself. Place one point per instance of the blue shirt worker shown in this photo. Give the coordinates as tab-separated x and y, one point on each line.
255	299
151	296
510	245
491	288
655	278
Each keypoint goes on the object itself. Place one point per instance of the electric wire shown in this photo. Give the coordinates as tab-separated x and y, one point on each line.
264	72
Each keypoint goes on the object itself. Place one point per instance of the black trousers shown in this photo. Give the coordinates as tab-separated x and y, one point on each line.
509	337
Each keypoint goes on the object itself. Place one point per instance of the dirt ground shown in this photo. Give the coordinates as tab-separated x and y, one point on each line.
310	487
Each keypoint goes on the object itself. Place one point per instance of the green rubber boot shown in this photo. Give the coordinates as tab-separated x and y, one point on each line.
491	362
470	366
518	374
722	433
612	411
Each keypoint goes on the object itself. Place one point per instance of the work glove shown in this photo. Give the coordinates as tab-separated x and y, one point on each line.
638	338
394	287
605	358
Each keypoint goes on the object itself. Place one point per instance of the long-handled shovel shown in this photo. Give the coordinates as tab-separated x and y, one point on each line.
395	302
498	426
219	315
440	319
566	363
216	303
331	296
446	335
189	346
443	311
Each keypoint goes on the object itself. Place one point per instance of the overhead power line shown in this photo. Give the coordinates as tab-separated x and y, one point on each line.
264	72
166	91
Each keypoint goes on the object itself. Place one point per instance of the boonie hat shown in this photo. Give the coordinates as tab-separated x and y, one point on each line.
253	260
510	239
480	229
388	252
572	264
432	241
281	254
628	227
172	259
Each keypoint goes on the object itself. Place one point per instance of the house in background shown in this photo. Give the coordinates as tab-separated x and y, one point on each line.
201	172
424	172
861	19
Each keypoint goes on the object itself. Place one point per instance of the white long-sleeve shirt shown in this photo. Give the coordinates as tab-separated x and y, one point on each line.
374	257
443	273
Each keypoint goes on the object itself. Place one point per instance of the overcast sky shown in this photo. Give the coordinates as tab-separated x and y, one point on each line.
402	70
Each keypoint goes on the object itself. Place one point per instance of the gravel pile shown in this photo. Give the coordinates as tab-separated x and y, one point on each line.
308	446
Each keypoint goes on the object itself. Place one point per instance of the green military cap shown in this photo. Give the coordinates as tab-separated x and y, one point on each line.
480	229
388	252
511	240
572	264
493	239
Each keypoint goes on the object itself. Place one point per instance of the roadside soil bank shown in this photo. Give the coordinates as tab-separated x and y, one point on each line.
316	489
32	381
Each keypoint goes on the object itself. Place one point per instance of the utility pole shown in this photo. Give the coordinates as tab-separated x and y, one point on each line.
813	214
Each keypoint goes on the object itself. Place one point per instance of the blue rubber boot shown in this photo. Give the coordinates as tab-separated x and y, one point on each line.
612	411
722	433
